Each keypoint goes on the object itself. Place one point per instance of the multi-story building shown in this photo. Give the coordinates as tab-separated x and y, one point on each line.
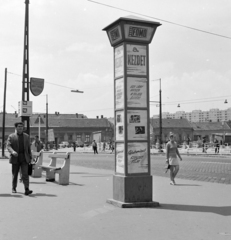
213	115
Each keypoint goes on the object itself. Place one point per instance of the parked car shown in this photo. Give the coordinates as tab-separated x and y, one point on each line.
79	144
64	144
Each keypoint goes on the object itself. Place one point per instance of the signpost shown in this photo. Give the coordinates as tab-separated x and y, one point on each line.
132	181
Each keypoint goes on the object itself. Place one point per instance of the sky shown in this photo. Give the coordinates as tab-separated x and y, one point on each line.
67	47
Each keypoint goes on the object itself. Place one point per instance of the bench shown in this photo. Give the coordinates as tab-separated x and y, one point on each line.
63	171
37	171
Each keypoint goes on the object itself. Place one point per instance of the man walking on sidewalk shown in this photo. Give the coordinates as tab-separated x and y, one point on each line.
18	145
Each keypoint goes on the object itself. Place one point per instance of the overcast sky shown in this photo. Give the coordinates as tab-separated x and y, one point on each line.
69	48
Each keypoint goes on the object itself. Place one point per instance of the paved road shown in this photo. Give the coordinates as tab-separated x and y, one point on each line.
210	169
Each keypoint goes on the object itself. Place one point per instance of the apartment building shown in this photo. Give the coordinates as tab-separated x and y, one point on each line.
213	115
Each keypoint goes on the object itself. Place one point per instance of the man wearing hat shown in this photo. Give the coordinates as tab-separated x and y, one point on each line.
171	156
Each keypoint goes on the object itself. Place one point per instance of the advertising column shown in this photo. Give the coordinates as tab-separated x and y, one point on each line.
132	181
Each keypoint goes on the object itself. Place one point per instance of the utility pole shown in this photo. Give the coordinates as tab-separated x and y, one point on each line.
4	116
46	122
25	74
160	140
160	117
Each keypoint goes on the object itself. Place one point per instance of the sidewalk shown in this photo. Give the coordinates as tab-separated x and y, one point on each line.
190	210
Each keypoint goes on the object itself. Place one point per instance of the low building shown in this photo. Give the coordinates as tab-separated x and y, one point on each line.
209	130
180	127
183	129
66	127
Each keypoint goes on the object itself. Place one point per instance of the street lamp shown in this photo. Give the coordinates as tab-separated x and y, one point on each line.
77	91
160	116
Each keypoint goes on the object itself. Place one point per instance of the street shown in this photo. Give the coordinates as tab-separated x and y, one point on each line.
201	168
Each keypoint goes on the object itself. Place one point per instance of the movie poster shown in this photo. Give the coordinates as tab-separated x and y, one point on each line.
137	124
119	93
119	151
119	61
137	157
136	59
136	92
120	125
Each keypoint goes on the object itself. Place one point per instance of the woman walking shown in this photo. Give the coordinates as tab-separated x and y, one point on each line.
171	156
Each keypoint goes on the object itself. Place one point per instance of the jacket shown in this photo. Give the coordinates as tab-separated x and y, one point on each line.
13	146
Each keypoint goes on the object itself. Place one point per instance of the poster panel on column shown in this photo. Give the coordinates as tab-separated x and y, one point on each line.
136	59
119	61
137	157
120	125
138	32
137	124
119	93
136	92
119	152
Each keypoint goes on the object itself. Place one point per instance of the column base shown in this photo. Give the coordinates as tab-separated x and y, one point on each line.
133	205
132	191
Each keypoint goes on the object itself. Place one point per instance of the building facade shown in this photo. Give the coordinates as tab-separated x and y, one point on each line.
183	129
213	115
66	127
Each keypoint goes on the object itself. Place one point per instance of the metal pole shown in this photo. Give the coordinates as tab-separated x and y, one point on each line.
46	122
4	115
160	149
25	74
39	125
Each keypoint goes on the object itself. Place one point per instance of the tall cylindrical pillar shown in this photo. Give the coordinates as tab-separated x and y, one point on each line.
132	181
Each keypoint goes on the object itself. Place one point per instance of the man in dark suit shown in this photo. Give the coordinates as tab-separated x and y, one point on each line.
18	145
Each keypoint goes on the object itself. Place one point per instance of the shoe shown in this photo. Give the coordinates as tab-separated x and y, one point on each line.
172	183
28	192
14	190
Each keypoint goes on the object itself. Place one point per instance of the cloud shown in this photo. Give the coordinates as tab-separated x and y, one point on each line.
85	47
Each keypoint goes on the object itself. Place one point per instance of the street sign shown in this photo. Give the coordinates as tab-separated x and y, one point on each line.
24	108
36	86
37	121
51	136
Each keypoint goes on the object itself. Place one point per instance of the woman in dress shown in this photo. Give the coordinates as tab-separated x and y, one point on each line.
171	156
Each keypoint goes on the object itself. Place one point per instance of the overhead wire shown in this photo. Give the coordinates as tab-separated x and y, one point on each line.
57	84
159	19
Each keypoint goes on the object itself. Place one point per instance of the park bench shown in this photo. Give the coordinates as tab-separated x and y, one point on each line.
52	169
38	160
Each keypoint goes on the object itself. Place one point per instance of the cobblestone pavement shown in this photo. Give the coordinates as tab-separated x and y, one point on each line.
201	168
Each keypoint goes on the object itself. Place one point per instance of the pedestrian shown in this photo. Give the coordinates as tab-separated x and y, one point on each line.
94	146
36	145
112	147
104	146
204	145
188	141
171	158
18	145
217	146
74	146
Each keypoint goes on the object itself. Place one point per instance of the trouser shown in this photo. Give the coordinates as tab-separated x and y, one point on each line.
95	150
24	170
